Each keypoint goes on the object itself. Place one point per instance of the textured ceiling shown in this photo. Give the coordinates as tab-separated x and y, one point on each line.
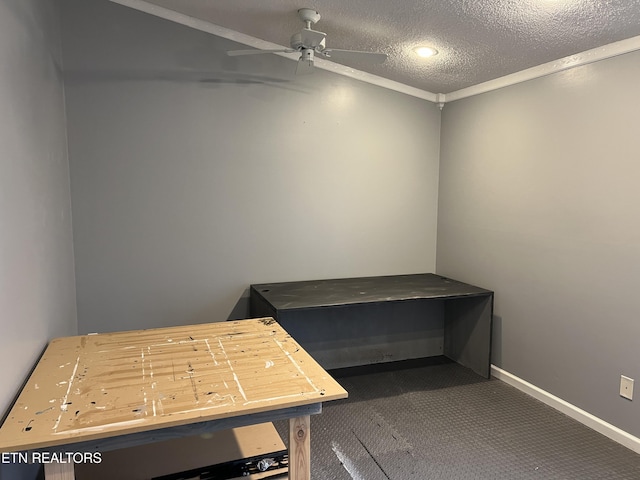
478	40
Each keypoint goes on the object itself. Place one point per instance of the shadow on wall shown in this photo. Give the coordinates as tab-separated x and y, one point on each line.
496	341
206	78
209	67
241	309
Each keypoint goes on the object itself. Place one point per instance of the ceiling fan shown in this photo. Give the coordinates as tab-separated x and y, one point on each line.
311	43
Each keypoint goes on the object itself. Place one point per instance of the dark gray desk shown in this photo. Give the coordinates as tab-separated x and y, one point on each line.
399	314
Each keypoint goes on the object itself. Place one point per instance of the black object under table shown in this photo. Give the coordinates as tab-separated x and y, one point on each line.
359	321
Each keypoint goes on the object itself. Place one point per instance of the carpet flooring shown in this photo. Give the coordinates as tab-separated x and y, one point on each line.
433	419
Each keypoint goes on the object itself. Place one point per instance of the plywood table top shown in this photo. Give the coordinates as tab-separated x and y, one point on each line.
96	386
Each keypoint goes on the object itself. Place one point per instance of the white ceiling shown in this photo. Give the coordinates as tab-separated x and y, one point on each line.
478	40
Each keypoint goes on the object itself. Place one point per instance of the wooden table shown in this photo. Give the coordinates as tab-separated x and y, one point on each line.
100	392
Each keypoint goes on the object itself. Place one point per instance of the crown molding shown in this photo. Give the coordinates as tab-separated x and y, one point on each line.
584	58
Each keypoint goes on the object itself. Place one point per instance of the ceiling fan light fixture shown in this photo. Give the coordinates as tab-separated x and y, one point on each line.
425	52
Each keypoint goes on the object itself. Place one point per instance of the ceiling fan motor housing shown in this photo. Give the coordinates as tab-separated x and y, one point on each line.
297	41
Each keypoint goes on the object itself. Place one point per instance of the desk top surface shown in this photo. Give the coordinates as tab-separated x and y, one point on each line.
97	386
354	291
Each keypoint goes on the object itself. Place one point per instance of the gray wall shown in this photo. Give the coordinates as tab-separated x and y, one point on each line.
37	293
195	174
539	200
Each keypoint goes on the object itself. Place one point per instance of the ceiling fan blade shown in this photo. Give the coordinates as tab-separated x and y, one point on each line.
312	38
353	55
237	53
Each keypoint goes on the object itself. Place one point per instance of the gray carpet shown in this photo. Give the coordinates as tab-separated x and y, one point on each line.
438	420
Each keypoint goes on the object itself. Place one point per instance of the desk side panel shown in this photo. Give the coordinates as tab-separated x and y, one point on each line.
467	332
259	306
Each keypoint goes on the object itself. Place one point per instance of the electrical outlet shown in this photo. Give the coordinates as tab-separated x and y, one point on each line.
626	387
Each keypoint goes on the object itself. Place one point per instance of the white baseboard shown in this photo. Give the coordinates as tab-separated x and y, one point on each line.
591	421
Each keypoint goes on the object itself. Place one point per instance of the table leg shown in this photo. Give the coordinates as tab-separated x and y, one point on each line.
59	471
299	448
